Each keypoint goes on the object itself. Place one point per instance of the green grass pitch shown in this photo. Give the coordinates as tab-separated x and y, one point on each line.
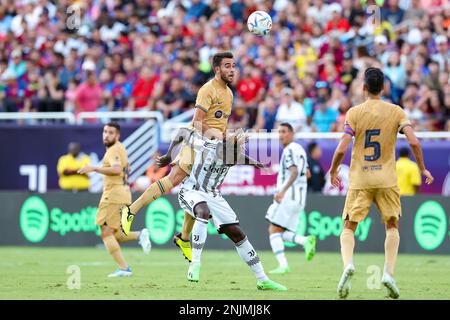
41	273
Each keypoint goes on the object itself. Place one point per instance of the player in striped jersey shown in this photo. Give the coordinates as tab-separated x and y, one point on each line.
200	197
283	214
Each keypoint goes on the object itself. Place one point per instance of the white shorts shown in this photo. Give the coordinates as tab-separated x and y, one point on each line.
221	212
285	214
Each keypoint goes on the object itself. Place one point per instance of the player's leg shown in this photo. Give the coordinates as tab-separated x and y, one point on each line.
152	193
142	236
113	248
357	205
250	257
391	245
180	170
388	203
307	242
109	221
182	239
277	244
199	234
186	229
347	240
291	211
276	238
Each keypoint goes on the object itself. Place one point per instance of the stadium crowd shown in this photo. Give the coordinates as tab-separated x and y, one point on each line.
98	55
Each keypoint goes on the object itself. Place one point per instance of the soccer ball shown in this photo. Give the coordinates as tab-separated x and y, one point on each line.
259	23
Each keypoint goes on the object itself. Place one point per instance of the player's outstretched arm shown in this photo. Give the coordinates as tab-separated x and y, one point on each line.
108	171
183	134
416	148
338	156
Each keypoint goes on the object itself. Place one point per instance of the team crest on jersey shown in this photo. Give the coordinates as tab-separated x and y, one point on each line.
218	114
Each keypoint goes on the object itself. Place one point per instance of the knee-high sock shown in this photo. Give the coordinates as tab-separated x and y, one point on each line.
113	248
290	236
152	193
121	237
347	246
391	249
199	233
251	258
276	242
188	224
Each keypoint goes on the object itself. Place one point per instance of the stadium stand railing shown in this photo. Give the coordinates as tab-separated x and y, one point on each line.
67	116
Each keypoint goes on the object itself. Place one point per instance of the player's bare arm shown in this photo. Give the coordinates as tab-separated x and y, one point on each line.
182	135
338	156
199	123
294	174
109	171
414	143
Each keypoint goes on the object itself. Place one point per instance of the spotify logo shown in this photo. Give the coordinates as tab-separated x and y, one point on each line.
430	225
301	228
160	221
34	219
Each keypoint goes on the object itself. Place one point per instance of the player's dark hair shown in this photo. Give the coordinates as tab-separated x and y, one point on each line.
114	125
374	80
287	125
312	146
218	57
403	153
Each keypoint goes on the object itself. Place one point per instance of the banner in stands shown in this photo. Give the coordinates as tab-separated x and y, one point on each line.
67	219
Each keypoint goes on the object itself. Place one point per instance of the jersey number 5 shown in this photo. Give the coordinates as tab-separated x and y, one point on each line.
372	144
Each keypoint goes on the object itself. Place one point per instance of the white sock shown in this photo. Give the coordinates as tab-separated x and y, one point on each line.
250	257
199	233
276	242
290	236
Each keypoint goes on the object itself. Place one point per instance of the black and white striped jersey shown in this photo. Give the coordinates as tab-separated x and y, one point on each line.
209	169
293	155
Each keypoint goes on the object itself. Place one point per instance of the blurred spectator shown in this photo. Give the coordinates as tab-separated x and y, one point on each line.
392	13
267	115
17	66
251	86
396	73
325	115
319	11
143	89
442	56
120	91
50	95
349	72
291	111
67	168
337	21
317	180
88	95
173	101
408	174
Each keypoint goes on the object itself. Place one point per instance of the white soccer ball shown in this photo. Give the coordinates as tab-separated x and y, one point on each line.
259	23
